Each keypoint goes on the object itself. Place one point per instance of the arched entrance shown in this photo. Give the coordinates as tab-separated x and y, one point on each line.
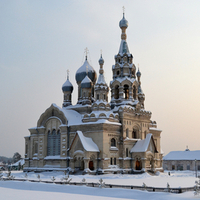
91	165
138	165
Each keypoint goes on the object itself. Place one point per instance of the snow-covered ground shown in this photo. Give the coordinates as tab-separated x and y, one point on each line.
28	190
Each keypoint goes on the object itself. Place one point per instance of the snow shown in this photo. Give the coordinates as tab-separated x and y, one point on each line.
85	67
101	79
10	190
22	161
120	80
154	129
183	155
142	145
86	80
87	142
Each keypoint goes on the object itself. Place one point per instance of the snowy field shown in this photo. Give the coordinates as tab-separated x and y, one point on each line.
28	190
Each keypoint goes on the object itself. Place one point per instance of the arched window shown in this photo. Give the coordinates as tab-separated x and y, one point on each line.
126	91
127	132
53	143
97	96
134	134
117	92
113	142
118	72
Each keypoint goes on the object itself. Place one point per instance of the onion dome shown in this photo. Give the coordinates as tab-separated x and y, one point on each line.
86	69
138	73
86	82
67	86
101	61
123	22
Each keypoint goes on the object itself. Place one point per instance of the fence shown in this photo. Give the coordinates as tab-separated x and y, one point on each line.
149	189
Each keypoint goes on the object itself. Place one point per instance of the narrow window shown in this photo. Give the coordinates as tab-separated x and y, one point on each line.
117	92
126	91
110	161
134	134
126	152
127	132
115	161
36	147
97	96
113	143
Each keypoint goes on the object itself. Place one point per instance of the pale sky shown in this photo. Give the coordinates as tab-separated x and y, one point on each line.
40	40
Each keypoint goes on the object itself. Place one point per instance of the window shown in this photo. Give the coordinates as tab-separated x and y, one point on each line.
180	167
97	96
134	134
53	143
188	167
173	167
126	152
36	147
115	161
134	92
127	132
118	72
198	167
113	143
126	91
26	149
110	161
104	96
117	92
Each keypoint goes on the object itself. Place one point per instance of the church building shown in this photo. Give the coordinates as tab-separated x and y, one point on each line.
97	136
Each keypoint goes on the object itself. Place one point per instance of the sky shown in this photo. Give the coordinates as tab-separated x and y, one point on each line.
41	40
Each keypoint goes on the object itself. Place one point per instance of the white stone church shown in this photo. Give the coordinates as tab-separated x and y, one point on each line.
97	136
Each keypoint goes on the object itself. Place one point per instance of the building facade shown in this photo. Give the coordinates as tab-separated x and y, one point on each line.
96	135
182	160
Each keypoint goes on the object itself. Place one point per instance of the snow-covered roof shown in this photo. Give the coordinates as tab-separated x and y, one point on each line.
121	79
183	155
101	79
154	129
21	162
88	143
123	48
73	117
142	145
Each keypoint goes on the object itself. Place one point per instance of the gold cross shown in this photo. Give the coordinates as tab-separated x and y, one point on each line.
67	74
86	51
123	9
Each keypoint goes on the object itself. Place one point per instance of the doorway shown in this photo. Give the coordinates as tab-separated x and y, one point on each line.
91	165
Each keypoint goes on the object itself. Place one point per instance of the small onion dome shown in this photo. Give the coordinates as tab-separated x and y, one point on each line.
123	22
138	73
67	86
101	61
86	69
86	82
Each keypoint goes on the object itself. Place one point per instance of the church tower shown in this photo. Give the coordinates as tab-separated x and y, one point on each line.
85	70
101	88
67	89
124	86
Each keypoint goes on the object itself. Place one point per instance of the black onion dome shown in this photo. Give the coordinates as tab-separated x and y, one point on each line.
86	82
86	69
67	86
138	73
101	61
123	22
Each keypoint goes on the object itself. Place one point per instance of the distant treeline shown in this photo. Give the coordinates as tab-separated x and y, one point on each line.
6	160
